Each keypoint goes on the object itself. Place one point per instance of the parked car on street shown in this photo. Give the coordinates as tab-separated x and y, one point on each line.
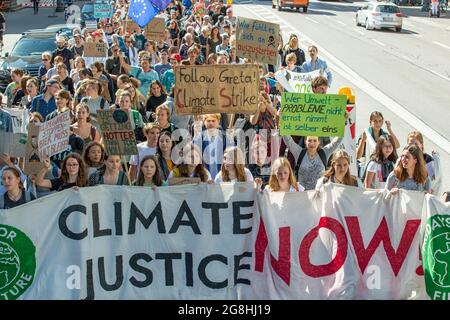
26	54
377	15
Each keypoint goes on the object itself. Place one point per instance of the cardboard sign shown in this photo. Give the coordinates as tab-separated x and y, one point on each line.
32	164
102	11
131	27
305	114
92	49
183	180
155	29
54	135
91	25
216	89
13	143
257	40
117	132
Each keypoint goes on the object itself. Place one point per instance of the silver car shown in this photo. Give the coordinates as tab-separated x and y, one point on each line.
377	15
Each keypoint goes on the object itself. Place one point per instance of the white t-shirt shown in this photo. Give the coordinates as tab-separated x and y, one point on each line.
248	177
291	189
375	167
143	150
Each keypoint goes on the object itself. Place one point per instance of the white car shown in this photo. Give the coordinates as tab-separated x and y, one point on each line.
377	15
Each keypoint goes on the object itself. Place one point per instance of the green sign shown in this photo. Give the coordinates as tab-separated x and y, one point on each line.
436	257
17	262
102	11
305	114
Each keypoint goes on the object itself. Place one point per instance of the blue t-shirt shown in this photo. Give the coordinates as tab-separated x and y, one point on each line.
38	104
168	80
161	68
146	78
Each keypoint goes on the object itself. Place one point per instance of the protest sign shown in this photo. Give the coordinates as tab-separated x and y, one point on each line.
131	26
216	88
19	119
13	144
32	163
102	11
222	241
54	135
93	49
117	132
257	40
296	82
91	25
305	114
155	29
183	180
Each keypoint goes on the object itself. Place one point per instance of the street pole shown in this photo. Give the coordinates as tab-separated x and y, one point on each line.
53	15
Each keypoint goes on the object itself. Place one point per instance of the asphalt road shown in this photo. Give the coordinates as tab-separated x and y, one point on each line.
404	75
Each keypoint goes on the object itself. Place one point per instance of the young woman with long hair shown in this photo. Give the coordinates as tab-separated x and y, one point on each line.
157	96
410	172
149	173
233	167
164	153
192	165
282	177
339	171
381	164
73	174
15	194
94	156
110	173
83	127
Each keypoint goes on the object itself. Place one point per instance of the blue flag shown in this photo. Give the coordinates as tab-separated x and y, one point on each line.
161	4
142	12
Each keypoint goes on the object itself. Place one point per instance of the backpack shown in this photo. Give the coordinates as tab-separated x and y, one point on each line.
2	198
322	156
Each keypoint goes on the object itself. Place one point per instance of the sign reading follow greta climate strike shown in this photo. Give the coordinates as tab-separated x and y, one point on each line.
224	242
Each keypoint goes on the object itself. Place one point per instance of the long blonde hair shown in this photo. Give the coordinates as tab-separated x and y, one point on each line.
239	164
348	180
276	165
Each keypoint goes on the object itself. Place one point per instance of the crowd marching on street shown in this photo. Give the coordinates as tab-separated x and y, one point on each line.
137	76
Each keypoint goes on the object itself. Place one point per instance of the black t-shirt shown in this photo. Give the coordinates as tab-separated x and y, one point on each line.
59	185
66	54
9	204
68	85
154	102
76	144
114	67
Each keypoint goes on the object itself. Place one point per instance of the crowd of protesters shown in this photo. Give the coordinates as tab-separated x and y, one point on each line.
137	76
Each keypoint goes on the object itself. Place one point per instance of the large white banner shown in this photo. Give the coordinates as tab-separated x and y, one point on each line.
206	242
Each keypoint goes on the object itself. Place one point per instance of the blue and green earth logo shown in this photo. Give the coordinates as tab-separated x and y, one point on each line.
436	257
17	262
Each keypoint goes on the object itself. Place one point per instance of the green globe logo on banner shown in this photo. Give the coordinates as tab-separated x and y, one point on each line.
17	262
436	257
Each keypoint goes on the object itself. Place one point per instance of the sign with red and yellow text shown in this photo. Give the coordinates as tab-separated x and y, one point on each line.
216	89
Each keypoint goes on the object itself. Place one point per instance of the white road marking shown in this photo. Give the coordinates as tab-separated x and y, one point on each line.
378	95
440	75
406	58
379	42
312	20
358	31
441	45
417	35
340	22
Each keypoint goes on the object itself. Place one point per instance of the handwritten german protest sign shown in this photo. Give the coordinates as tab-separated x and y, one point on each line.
19	119
257	40
54	135
102	11
216	88
155	29
131	26
306	114
117	132
295	81
92	49
13	144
